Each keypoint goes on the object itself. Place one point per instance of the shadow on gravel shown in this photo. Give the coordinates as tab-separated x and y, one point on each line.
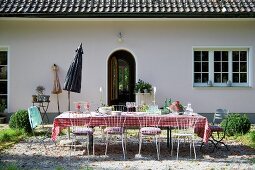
36	157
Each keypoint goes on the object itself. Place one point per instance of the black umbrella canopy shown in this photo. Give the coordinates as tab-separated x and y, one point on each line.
73	77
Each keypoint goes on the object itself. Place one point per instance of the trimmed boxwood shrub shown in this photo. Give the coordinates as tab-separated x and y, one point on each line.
237	124
252	136
20	120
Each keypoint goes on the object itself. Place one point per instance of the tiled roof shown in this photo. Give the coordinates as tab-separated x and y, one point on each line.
127	8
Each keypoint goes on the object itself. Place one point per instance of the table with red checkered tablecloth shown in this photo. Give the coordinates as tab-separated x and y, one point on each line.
132	120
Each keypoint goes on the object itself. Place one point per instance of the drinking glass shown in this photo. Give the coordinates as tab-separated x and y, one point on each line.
78	106
87	106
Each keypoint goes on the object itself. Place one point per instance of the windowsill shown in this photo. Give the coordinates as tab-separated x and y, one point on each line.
222	87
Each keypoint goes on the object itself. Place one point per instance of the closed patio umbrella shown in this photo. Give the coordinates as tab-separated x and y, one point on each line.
56	84
73	77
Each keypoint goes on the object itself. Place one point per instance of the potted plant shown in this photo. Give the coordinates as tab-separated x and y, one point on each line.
143	87
40	94
2	109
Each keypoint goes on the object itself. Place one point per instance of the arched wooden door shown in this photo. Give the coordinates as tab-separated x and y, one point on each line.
121	78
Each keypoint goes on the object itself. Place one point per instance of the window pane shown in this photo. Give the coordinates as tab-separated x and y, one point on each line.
197	55
197	67
3	99
197	78
205	67
243	56
3	72
224	77
235	66
235	55
217	56
217	67
235	78
224	66
3	57
243	78
217	77
204	77
243	67
205	55
3	87
224	55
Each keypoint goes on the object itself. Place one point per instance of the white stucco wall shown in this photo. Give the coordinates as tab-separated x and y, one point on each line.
162	50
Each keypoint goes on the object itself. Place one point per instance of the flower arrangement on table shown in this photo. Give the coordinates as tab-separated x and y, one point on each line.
176	107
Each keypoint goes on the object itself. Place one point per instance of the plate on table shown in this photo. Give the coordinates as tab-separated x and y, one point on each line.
116	113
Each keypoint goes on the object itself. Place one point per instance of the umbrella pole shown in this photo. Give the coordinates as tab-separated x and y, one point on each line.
69	101
68	130
58	105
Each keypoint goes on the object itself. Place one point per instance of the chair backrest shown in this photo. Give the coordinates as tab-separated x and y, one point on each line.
122	108
131	106
219	115
79	119
186	124
115	121
149	120
34	116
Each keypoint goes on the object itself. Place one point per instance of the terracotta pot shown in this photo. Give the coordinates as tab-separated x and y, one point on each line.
2	120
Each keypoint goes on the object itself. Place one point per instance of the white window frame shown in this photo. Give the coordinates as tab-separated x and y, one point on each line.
211	66
2	48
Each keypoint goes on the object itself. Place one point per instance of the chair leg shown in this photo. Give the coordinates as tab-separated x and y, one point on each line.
157	146
172	142
93	149
106	145
125	141
123	146
190	145
140	143
178	145
88	144
159	140
193	140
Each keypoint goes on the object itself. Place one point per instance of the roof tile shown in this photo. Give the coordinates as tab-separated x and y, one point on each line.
127	8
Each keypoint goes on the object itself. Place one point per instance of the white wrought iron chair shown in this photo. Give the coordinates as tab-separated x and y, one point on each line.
131	106
149	127
115	126
185	131
35	120
122	108
80	130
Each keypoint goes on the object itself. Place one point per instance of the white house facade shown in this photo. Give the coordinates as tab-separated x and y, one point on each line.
208	62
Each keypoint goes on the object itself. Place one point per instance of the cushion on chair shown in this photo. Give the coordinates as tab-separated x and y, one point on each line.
150	130
83	131
216	128
114	130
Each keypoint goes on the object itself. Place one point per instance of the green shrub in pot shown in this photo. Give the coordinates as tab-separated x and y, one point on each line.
236	124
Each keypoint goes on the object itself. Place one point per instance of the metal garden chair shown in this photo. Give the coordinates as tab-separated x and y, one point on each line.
115	126
185	131
149	127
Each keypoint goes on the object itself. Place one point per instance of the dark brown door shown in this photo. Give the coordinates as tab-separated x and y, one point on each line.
121	78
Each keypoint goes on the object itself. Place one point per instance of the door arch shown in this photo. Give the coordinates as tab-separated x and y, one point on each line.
121	77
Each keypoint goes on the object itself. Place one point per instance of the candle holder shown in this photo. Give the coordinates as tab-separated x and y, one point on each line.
154	95
101	96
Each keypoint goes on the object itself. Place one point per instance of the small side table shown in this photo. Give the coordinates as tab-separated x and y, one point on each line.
43	107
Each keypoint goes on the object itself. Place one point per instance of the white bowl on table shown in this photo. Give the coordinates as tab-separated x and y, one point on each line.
105	110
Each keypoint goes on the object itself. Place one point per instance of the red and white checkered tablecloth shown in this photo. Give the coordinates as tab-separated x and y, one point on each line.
132	120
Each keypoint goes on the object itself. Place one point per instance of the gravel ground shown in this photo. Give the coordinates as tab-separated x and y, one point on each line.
58	157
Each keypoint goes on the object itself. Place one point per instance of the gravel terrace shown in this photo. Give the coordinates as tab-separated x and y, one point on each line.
56	156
